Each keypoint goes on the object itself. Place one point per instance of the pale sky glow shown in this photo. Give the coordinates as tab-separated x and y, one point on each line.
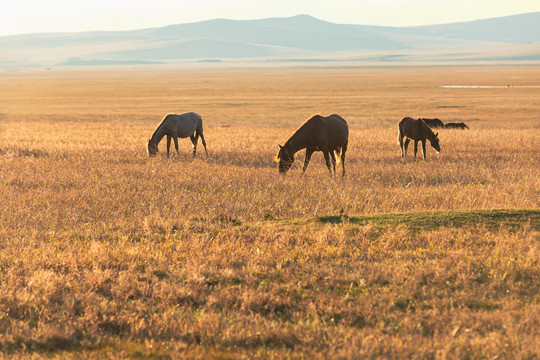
29	16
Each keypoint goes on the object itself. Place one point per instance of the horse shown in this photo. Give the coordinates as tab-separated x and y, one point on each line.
460	126
175	126
327	134
434	123
416	130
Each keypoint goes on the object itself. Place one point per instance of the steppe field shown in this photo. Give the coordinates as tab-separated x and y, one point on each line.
107	253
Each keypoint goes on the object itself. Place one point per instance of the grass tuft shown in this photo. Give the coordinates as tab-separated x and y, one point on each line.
431	220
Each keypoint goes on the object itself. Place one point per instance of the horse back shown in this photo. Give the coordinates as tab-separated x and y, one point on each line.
460	125
331	129
434	123
415	129
183	124
407	125
321	132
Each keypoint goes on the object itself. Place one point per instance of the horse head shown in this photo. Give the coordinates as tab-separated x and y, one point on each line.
152	148
434	140
285	158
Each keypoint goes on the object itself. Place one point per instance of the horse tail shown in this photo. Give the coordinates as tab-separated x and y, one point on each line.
198	128
199	132
337	154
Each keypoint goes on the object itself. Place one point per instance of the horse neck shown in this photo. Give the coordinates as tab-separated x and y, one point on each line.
296	143
158	134
429	133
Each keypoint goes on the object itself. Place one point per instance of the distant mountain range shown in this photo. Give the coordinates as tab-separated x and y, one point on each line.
298	38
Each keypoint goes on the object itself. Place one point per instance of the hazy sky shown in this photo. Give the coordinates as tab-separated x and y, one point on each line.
24	16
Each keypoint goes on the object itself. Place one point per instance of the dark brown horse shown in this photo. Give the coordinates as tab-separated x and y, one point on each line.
434	123
327	134
417	130
460	126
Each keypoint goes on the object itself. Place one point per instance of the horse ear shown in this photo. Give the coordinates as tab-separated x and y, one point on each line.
437	134
281	147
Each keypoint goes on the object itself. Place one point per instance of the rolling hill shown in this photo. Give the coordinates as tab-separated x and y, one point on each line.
298	38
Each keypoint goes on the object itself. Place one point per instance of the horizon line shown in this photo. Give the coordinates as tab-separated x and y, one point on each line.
259	19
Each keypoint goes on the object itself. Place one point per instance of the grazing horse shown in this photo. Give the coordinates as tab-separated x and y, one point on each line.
416	130
178	126
327	134
460	126
434	123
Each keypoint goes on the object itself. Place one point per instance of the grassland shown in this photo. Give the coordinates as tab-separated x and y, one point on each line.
105	252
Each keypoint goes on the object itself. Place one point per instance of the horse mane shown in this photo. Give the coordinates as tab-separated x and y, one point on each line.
427	128
161	124
316	116
164	118
277	158
312	117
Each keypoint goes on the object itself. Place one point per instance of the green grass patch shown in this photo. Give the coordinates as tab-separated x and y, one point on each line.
429	220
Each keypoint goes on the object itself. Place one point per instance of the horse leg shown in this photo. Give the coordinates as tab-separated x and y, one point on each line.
424	148
175	138
168	145
406	146
333	157
200	132
343	151
309	152
415	148
194	139
327	158
400	141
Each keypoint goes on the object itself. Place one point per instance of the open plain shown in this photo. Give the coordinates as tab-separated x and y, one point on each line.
107	253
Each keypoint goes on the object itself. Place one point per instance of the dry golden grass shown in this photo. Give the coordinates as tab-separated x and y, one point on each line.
106	252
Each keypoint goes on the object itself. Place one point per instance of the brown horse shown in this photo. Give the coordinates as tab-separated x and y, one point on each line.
460	126
327	134
416	130
434	123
